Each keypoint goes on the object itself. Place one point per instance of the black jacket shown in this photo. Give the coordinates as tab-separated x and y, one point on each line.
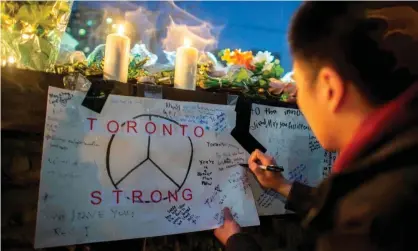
372	204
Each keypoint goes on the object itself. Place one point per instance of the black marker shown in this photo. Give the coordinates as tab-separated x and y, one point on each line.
271	168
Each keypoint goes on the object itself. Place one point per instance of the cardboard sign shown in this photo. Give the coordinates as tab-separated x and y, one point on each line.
141	168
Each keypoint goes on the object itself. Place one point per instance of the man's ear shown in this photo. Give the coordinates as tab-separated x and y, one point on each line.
331	88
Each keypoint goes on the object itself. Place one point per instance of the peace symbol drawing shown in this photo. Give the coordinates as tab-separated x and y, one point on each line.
150	160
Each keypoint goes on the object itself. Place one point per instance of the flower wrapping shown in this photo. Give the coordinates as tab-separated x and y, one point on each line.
31	32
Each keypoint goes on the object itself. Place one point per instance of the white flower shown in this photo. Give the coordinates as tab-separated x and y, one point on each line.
267	67
263	57
288	78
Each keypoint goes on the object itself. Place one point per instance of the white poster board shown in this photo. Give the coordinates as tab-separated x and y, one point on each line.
141	168
287	137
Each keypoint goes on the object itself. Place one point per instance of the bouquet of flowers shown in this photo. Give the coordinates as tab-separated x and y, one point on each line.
257	75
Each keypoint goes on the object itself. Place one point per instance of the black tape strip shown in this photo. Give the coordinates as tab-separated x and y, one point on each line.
97	95
133	89
241	132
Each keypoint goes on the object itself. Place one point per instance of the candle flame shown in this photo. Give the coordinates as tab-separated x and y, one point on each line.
187	42
11	60
121	29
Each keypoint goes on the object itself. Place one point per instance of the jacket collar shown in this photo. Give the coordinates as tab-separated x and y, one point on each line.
379	123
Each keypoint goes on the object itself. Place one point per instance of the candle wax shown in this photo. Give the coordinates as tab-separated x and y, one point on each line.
116	58
186	68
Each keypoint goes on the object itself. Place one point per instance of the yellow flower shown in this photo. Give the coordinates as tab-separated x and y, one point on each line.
238	58
227	56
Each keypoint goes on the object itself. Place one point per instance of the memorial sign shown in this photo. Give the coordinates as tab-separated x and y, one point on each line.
142	167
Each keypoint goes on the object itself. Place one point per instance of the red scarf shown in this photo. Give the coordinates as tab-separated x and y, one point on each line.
374	127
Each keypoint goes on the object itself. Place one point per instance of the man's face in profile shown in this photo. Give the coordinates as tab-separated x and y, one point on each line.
316	100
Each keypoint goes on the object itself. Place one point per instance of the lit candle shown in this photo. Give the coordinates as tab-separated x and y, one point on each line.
11	60
116	60
186	67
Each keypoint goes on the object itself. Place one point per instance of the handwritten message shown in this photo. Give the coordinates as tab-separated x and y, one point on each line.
168	167
289	139
329	159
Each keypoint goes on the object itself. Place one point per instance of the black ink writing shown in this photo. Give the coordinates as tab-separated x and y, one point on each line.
292	112
264	123
313	143
86	215
56	217
173	106
45	197
49	127
206	177
87	231
266	199
209	200
329	159
72	164
298	174
294	126
206	162
255	111
270	123
220	124
270	111
58	146
222	200
62	143
122	213
227	160
59	231
239	180
61	98
169	113
229	154
77	143
64	175
179	214
220	144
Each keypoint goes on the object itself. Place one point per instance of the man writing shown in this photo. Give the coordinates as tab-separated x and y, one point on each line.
355	66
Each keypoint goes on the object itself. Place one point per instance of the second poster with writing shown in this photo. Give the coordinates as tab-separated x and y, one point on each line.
287	137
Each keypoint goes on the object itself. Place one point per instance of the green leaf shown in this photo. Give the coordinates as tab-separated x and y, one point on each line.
263	82
266	74
242	75
278	71
221	53
284	97
259	67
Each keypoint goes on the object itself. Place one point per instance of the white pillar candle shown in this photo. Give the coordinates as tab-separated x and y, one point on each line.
186	67
116	61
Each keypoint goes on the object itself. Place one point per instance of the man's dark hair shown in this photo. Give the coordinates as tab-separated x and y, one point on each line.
357	45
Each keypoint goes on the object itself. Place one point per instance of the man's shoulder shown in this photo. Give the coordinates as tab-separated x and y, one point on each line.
381	211
382	193
353	200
